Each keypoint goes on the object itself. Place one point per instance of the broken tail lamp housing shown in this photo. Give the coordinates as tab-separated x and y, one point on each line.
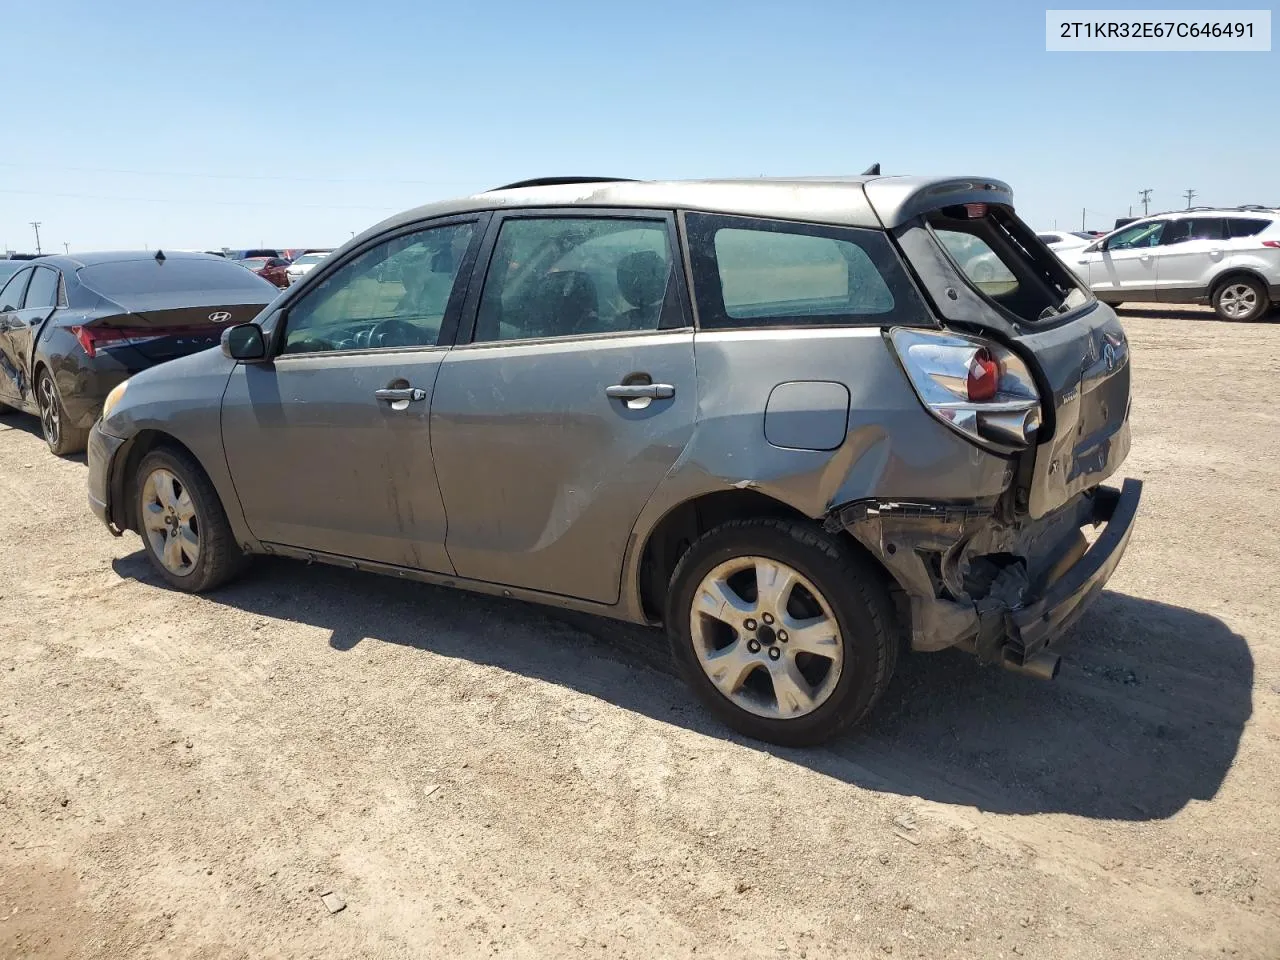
978	388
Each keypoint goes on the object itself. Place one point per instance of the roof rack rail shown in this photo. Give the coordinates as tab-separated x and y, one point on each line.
557	181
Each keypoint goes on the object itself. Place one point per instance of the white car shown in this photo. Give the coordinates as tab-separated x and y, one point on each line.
1229	259
1058	241
300	267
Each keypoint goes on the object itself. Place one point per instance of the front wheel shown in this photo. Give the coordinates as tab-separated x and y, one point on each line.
781	629
184	528
1241	299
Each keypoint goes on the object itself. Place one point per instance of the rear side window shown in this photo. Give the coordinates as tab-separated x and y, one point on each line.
43	291
151	276
1246	226
753	273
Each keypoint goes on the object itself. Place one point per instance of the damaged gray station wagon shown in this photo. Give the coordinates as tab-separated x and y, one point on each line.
775	416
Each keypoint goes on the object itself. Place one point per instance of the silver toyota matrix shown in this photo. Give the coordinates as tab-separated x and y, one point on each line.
775	416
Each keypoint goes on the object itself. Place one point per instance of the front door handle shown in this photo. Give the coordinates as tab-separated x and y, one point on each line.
400	393
641	391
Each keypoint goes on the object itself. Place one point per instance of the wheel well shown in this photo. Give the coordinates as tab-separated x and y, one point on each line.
677	531
123	508
1237	274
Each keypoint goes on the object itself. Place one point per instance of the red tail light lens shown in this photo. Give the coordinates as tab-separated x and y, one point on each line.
1271	243
984	376
94	339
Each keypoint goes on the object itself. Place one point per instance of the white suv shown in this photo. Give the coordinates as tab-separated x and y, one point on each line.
1227	258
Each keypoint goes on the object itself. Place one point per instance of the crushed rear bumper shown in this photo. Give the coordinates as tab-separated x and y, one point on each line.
1003	590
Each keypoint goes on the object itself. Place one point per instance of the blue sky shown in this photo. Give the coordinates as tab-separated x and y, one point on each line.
235	124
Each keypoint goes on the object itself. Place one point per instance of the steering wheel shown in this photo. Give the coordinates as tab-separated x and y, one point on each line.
395	332
310	345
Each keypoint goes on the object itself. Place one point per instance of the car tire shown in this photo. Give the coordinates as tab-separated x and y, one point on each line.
183	526
63	438
790	697
1241	300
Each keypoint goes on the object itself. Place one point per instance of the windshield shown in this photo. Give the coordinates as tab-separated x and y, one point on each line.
308	259
999	255
257	263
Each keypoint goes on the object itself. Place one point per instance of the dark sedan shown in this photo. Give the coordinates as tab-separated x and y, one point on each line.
273	269
72	327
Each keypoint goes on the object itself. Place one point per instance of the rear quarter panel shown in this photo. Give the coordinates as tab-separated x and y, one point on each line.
892	448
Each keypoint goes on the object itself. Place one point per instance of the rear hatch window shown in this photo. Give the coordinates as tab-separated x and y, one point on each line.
1006	262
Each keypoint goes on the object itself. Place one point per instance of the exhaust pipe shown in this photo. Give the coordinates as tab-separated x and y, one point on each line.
1042	666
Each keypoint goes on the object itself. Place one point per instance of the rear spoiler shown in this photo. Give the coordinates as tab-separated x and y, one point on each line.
899	199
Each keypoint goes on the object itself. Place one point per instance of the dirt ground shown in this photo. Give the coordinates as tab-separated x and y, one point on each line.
185	777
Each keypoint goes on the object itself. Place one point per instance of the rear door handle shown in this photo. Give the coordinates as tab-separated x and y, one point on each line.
641	391
400	393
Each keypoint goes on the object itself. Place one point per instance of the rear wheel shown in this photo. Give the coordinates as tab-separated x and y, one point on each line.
781	629
60	434
1241	299
184	528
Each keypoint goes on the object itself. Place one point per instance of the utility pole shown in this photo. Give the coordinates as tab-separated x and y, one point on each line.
66	246
1082	213
1190	195
36	225
1146	200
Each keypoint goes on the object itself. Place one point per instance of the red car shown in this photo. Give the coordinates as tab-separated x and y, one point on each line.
269	268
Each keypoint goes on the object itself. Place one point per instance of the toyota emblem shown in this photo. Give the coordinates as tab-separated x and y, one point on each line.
220	317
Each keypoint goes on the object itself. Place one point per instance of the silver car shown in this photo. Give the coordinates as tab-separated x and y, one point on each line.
774	416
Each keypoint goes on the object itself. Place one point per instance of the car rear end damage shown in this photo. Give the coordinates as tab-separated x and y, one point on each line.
1028	368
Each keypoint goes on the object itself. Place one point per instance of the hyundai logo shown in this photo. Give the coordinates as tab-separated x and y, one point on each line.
220	317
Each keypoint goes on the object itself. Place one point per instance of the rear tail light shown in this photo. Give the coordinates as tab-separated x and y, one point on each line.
95	339
978	388
1271	243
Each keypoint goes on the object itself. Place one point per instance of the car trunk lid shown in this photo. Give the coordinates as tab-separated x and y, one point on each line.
166	332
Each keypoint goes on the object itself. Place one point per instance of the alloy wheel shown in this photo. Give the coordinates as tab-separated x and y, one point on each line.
1239	300
170	521
766	637
50	413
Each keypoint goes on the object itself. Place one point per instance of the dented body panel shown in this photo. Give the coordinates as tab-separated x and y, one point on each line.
518	473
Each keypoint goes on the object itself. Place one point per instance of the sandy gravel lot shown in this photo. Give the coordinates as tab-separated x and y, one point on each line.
185	777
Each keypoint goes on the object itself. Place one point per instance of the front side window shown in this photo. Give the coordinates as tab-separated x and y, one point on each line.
575	276
43	291
394	294
1139	235
751	273
11	295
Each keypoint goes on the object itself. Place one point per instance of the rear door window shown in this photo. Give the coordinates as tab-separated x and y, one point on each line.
577	276
753	273
43	291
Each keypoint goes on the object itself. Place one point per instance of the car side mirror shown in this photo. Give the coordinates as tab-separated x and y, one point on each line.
244	343
1094	247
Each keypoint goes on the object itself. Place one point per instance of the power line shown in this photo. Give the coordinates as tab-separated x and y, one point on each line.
231	176
216	203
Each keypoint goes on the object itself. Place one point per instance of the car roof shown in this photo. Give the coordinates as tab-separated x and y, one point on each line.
76	260
863	201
